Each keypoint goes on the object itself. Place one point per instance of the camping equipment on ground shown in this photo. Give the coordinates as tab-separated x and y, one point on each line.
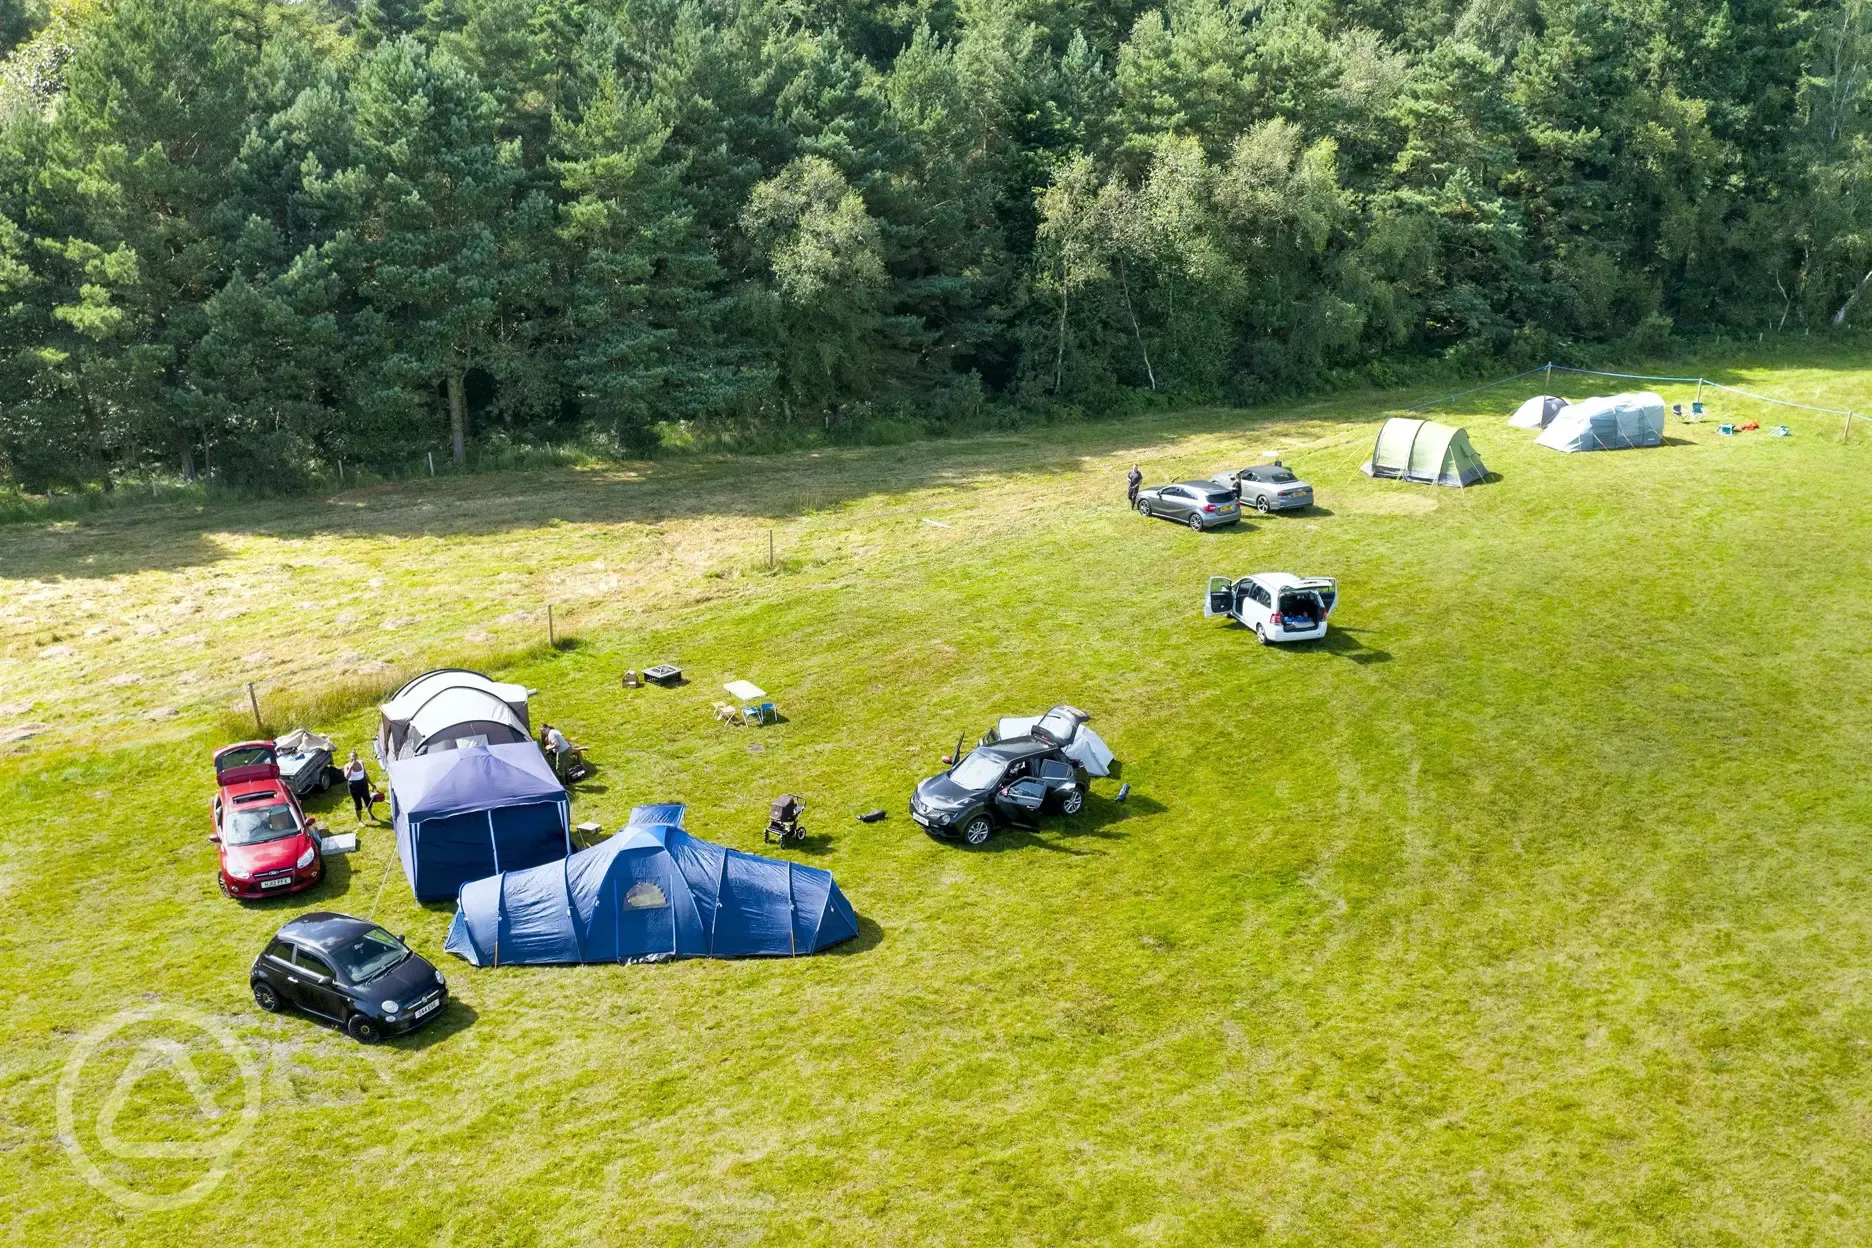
1425	451
444	709
1537	411
1745	427
305	761
755	707
783	823
1728	431
1124	791
1064	726
871	816
467	813
631	680
1780	431
650	893
1614	423
664	674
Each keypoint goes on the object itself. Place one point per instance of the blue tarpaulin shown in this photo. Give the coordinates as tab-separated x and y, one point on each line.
464	814
649	893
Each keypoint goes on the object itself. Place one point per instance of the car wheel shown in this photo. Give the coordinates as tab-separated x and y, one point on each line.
1261	636
1144	509
977	830
1262	505
265	997
363	1029
1072	803
1195	522
324	780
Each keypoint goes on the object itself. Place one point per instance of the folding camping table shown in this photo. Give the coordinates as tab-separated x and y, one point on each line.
754	705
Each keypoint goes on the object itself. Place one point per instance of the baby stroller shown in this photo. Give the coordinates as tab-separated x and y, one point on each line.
783	823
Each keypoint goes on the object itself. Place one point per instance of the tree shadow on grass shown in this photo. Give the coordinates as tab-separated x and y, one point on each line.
793	484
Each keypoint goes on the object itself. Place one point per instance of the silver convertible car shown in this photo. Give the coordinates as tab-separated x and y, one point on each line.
1199	504
1267	487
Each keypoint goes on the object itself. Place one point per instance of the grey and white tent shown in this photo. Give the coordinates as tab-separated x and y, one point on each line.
1607	424
1425	451
1538	411
449	708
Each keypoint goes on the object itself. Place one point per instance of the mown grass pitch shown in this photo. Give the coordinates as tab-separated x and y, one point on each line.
1530	908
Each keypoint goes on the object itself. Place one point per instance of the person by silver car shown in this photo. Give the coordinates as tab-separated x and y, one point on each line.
1199	504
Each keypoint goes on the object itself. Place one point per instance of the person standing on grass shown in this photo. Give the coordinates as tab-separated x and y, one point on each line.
556	745
1133	479
358	781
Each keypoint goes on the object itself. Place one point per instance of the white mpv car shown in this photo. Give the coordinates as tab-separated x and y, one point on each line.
1278	606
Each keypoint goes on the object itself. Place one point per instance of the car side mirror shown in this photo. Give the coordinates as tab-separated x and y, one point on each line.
215	837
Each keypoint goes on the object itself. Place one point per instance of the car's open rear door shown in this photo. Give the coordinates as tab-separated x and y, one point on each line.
1219	599
1326	587
250	760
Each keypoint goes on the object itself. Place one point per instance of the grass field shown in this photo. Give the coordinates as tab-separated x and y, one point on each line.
1530	907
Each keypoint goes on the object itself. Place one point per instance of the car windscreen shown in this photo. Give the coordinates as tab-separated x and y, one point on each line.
978	771
254	755
368	955
253	824
1221	497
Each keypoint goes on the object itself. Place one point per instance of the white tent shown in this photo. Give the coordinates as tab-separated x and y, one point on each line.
440	709
1537	412
1085	747
1607	424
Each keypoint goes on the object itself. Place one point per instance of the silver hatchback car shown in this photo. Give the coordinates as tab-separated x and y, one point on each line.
1199	504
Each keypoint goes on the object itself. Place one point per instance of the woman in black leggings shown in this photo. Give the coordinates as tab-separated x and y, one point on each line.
358	781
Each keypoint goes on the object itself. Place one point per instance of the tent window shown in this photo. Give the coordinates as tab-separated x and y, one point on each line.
644	895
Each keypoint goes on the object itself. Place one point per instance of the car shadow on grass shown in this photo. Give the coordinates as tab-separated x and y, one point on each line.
1343	642
337	883
1058	832
458	1016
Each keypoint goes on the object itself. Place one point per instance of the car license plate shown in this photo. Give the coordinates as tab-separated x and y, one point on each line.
919	818
274	883
426	1010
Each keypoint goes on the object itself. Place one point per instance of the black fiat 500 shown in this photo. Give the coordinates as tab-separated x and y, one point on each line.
1007	784
351	972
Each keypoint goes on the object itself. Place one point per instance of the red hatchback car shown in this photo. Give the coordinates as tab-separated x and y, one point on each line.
265	842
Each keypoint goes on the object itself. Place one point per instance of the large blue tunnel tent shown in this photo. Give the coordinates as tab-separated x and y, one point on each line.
650	893
467	813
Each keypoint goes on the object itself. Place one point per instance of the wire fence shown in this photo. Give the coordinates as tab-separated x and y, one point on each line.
1700	383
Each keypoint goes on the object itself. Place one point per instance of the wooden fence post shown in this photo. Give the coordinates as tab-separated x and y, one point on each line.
259	728
552	639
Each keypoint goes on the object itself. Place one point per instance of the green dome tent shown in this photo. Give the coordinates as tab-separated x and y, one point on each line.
1423	450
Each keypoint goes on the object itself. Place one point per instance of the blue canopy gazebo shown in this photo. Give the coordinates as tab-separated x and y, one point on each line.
650	893
467	813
